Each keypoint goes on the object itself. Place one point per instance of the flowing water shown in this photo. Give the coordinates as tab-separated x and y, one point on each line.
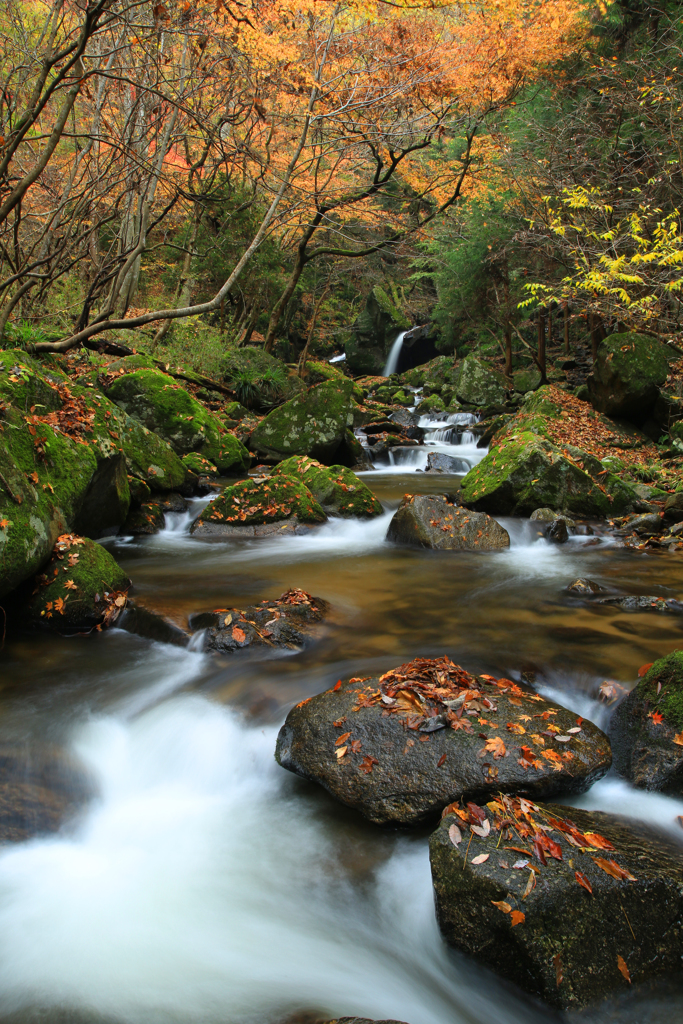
202	883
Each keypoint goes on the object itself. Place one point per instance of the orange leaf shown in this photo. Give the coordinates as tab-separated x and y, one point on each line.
494	745
517	917
70	585
612	868
502	905
355	746
238	634
514	727
656	717
621	964
442	760
557	961
582	880
340	753
678	738
337	685
367	763
644	669
342	739
595	839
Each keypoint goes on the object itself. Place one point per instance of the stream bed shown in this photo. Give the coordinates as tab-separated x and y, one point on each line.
202	883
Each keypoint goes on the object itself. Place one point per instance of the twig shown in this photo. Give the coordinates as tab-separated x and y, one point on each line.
467	850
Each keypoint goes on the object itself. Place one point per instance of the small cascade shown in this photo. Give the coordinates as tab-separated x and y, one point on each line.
392	361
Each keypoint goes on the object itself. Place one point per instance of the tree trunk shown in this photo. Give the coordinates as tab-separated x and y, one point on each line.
541	348
281	303
565	314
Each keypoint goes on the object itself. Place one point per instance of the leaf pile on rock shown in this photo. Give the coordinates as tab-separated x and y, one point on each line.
243	509
402	746
288	622
566	903
432	521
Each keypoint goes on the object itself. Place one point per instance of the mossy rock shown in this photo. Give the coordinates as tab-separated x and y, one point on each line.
337	488
647	728
526	472
196	463
26	385
129	364
385	393
406	399
314	423
107	500
81	587
146	520
524	381
259	502
140	491
478	385
234	411
317	372
166	408
432	404
628	371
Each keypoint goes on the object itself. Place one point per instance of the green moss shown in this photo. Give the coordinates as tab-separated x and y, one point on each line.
432	404
403	398
313	423
25	386
668	673
234	411
390	309
75	587
166	408
337	488
541	404
317	372
477	384
252	502
198	464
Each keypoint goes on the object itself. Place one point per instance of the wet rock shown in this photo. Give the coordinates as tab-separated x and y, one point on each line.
313	423
557	532
173	502
673	507
146	520
642	604
646	729
361	1020
543	515
40	789
81	588
627	374
437	462
151	626
431	521
352	454
401	747
337	489
262	507
290	621
434	403
585	588
648	525
404	418
526	471
107	499
197	464
569	905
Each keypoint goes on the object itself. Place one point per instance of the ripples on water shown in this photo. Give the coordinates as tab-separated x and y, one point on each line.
204	883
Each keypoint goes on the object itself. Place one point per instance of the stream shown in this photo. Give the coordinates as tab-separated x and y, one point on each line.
201	882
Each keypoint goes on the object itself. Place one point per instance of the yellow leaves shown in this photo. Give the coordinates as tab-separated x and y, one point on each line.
554	758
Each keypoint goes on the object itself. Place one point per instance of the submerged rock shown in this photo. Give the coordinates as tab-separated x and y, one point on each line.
40	789
627	374
431	521
585	588
338	489
81	588
314	423
569	905
151	626
646	729
400	747
289	621
557	532
259	508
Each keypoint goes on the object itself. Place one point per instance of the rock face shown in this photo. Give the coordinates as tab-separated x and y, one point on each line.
263	503
526	471
288	622
401	747
569	905
627	374
314	423
107	501
374	332
170	411
431	521
81	587
337	489
647	729
41	788
439	463
477	384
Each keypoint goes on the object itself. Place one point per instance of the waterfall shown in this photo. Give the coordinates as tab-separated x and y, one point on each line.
392	361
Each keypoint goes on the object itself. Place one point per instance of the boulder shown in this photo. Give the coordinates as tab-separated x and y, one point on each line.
259	507
146	520
196	463
557	532
627	374
289	621
351	453
166	408
106	502
477	384
314	423
81	588
151	626
337	489
646	729
526	380
401	747
584	588
569	905
526	471
437	462
431	521
673	507
431	404
374	332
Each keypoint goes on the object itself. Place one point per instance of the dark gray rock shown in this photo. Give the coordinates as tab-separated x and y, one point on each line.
437	462
585	588
431	521
290	621
107	500
648	525
146	520
603	906
557	532
151	626
401	747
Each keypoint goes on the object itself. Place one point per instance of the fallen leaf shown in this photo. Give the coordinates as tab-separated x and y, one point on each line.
519	730
502	905
367	763
621	964
572	732
480	859
557	961
337	685
531	884
517	917
455	835
482	830
355	746
494	745
656	717
59	605
442	760
595	839
644	669
238	635
582	880
341	739
520	864
70	585
4	523
340	753
612	868
678	739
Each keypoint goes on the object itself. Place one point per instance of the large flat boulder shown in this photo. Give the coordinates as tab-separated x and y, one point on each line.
570	905
526	471
431	521
646	729
259	507
166	408
336	488
398	748
627	374
314	423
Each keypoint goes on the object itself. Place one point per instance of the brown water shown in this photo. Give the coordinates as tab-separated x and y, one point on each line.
202	882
